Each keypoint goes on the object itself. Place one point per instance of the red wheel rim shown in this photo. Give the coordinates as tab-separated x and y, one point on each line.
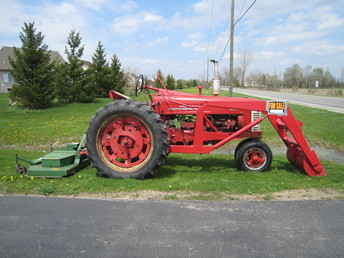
125	142
254	158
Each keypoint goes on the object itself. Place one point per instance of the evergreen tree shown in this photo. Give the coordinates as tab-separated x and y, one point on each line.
170	82
117	78
74	84
194	83
32	70
179	84
100	72
63	90
157	83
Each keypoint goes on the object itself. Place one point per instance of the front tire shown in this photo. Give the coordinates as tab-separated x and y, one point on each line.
126	139
253	156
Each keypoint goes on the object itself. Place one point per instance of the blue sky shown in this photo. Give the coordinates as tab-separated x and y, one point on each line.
178	36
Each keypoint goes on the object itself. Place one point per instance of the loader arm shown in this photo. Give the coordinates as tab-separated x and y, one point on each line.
299	152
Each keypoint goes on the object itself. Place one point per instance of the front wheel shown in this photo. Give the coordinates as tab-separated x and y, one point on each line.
126	139
253	156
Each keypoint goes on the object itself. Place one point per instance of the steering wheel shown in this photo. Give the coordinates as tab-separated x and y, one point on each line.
140	83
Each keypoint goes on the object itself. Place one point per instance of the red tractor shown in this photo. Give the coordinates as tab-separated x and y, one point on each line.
129	139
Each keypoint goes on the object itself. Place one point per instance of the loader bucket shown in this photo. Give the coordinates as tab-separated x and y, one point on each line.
299	152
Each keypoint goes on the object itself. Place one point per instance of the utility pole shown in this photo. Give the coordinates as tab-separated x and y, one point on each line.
231	52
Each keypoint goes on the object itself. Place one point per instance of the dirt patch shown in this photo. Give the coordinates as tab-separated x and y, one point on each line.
308	194
288	195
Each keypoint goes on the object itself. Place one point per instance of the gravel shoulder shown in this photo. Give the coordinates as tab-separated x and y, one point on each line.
288	195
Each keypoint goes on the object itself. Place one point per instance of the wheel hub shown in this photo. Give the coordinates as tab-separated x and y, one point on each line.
255	158
125	141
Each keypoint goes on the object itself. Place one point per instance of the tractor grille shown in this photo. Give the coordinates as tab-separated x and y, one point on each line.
255	115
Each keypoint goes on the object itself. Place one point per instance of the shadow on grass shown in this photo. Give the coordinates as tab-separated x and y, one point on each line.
285	166
214	164
205	162
205	165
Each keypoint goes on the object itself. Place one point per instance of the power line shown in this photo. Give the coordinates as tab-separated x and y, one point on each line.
243	6
244	13
235	23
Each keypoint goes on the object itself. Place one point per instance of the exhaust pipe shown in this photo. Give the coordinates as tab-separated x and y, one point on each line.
216	80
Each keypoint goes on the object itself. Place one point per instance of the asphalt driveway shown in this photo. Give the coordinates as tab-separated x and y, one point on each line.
51	227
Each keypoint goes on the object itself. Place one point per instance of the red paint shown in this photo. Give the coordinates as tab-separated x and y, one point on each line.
125	141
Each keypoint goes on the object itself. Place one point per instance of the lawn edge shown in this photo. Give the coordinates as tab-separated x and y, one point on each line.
144	195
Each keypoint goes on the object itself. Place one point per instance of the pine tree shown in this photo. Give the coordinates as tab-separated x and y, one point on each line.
117	78
194	83
157	82
74	83
170	82
100	72
32	70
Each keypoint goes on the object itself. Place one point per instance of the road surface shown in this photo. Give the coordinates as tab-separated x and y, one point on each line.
333	104
51	227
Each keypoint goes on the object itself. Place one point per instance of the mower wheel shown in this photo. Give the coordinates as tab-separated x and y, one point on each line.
253	155
126	139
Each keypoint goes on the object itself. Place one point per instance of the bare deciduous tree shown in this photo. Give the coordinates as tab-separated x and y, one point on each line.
245	60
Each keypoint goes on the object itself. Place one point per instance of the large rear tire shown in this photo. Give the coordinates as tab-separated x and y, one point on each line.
126	139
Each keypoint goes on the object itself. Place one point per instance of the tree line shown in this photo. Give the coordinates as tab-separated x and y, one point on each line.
297	77
294	76
41	81
171	83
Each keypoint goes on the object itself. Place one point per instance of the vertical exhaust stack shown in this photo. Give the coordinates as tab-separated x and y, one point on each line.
216	80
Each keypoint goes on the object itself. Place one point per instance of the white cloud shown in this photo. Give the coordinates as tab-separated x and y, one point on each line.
319	48
190	43
202	6
288	37
195	35
11	17
269	55
131	23
326	18
114	5
277	32
92	4
193	39
150	61
128	6
57	20
126	25
158	41
151	17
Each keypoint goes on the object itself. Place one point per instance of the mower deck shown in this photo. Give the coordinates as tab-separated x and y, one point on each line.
59	163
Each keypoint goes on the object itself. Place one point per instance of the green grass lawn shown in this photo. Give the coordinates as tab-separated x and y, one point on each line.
34	131
200	173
